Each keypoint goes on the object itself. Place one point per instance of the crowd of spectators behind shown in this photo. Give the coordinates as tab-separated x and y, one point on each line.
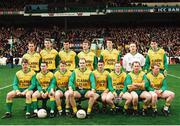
167	37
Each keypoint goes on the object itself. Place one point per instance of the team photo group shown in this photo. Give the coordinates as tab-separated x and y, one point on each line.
61	80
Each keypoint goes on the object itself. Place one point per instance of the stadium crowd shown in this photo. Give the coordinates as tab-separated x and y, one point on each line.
167	37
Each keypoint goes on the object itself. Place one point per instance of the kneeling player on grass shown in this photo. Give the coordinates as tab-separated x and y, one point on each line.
82	84
136	84
62	76
116	78
45	85
102	87
23	85
158	89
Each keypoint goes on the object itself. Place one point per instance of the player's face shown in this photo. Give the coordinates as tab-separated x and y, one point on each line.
43	67
156	70
82	64
100	65
117	67
153	45
25	66
62	67
85	46
31	47
66	45
136	67
132	48
47	44
109	44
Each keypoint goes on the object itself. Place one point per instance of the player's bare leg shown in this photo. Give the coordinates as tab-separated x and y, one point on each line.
134	102
128	97
67	107
153	102
58	95
90	95
169	96
74	95
147	99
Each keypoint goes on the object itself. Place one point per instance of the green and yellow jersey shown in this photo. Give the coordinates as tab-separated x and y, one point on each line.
51	57
45	82
136	78
23	81
34	60
91	59
82	80
159	57
70	58
110	58
62	79
117	80
101	80
157	82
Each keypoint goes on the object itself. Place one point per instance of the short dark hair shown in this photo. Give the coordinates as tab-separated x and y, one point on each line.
62	61
48	39
24	60
44	63
86	41
100	61
66	41
153	65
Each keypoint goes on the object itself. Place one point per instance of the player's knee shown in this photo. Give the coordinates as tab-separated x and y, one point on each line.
129	98
148	97
9	96
103	99
172	95
57	96
154	96
28	95
71	94
34	95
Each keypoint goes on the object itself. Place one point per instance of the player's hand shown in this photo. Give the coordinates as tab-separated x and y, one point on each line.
23	93
165	73
115	94
18	93
121	94
106	91
158	92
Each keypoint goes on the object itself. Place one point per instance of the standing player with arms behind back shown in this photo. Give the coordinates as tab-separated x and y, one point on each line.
49	55
33	57
110	56
90	57
156	55
68	56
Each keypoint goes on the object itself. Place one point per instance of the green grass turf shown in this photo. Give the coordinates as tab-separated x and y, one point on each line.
6	78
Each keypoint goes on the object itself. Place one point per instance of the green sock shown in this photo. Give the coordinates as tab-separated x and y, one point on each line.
9	107
52	104
28	107
35	105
